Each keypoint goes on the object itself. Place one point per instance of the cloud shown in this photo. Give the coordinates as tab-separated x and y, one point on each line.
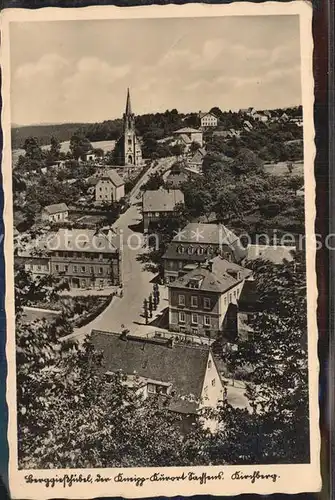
48	66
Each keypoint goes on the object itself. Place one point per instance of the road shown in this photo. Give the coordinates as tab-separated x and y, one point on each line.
136	282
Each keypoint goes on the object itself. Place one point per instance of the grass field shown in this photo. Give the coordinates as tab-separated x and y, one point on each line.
105	145
280	168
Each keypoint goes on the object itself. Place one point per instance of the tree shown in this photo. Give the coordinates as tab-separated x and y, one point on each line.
247	161
194	147
79	146
154	182
276	358
32	149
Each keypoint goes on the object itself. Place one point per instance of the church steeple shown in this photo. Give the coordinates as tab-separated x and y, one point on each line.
128	104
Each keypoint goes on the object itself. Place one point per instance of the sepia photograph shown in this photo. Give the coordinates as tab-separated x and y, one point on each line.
161	287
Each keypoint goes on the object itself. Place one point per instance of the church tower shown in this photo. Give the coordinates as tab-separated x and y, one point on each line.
132	154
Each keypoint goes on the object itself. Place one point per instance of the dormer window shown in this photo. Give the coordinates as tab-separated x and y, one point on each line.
190	250
181	249
200	251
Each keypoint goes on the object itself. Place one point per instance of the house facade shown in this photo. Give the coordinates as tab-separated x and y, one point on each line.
58	212
199	299
159	203
208	120
198	242
82	258
186	376
109	186
185	136
195	160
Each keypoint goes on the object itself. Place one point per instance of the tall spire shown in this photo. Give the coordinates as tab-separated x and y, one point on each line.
128	105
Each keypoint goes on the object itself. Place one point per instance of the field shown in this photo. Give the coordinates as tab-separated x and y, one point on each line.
280	168
105	145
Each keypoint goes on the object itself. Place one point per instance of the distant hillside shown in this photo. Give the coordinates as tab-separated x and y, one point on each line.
105	131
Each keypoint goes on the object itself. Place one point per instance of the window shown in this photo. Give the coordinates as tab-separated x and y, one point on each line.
209	364
207	321
195	331
57	267
213	382
181	249
100	270
194	301
83	269
38	268
235	294
181	317
151	388
190	250
65	254
79	254
101	256
181	300
229	298
66	268
156	214
200	251
225	300
74	269
239	275
194	319
207	303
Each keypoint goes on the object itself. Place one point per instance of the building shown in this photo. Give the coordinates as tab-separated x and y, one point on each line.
59	212
128	149
198	242
159	203
108	186
247	126
187	375
81	257
195	160
276	254
208	120
199	299
185	136
90	156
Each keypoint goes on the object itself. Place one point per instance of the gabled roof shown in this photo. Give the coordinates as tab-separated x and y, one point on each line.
199	153
217	280
182	365
56	208
202	115
82	240
210	234
162	200
187	130
273	253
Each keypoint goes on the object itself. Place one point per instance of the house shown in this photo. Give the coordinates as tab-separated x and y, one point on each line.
108	186
284	117
81	257
186	375
90	156
276	254
176	177
200	298
159	203
185	136
195	161
247	126
208	119
57	212
198	242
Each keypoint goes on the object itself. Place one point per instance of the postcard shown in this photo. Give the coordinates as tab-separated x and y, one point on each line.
158	175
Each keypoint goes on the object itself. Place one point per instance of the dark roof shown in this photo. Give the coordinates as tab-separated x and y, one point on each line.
56	208
183	366
162	200
216	280
211	234
83	240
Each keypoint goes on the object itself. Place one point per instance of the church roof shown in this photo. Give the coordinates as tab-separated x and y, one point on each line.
128	104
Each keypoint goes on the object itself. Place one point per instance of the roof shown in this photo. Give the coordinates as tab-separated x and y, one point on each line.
162	200
201	115
201	152
273	253
106	174
230	267
56	208
83	240
212	234
187	130
185	138
216	280
182	365
176	179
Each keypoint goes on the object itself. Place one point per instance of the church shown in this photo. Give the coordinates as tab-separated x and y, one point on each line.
128	148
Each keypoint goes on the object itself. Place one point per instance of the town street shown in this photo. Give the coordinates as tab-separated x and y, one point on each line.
137	286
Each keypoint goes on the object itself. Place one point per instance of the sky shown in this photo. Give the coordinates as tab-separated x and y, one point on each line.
79	71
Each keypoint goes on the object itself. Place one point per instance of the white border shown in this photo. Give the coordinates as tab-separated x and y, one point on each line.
293	478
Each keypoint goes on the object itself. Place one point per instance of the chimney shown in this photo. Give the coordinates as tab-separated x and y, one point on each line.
209	265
